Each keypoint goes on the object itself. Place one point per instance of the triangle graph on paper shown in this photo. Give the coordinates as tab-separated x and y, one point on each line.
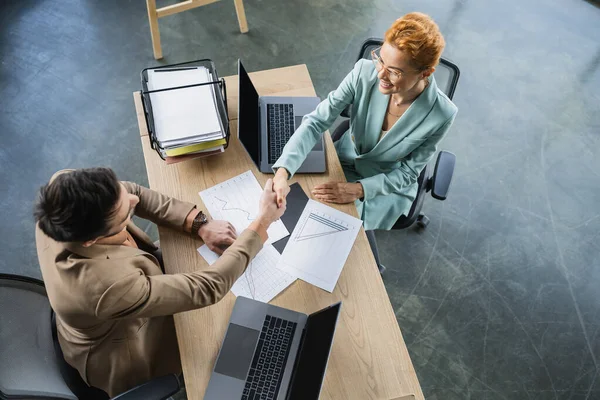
317	226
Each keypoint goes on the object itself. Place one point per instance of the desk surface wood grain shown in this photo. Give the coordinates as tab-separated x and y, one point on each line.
369	359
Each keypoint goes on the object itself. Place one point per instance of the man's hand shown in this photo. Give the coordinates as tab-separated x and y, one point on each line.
338	192
218	235
281	186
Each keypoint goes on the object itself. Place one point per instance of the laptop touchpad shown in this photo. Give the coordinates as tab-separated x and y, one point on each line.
237	351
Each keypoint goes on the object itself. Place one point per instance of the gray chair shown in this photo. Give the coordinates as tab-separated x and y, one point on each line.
32	365
446	77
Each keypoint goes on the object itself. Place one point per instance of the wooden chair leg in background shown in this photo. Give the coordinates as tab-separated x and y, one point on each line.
154	32
241	15
154	15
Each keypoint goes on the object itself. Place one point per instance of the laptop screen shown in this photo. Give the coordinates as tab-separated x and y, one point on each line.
248	115
312	359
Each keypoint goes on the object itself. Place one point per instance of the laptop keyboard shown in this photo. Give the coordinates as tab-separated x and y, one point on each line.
280	119
270	356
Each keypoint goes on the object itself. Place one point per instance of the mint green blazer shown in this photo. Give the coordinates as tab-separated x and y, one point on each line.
388	169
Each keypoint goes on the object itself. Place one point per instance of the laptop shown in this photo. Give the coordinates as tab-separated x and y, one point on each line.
265	124
272	353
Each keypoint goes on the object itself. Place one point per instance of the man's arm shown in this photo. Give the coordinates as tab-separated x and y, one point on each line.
138	295
161	209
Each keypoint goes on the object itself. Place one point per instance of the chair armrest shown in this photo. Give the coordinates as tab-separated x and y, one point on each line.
340	130
442	175
156	389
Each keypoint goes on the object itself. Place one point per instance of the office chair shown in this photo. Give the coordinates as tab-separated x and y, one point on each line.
32	365
446	77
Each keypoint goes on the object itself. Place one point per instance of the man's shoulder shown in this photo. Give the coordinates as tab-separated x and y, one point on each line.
131	187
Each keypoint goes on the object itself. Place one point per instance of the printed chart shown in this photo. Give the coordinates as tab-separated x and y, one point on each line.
320	244
262	280
316	226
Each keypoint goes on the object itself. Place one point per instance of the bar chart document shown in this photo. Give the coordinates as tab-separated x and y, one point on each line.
236	201
262	280
319	245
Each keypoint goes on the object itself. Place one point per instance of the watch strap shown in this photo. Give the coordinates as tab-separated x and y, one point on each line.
199	220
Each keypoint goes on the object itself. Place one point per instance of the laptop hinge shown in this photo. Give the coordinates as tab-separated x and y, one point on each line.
295	368
259	139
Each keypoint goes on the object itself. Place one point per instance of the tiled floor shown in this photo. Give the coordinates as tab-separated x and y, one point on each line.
497	298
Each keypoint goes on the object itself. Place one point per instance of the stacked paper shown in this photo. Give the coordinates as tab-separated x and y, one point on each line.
186	121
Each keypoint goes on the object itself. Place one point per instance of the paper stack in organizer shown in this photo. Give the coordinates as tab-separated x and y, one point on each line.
186	120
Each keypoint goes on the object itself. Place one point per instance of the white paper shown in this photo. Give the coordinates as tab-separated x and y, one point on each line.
210	256
190	141
320	244
236	200
183	113
262	280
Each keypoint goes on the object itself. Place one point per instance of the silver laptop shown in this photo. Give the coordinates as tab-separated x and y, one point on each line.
272	353
265	124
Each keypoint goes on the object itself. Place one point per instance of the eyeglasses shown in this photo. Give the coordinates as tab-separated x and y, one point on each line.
393	75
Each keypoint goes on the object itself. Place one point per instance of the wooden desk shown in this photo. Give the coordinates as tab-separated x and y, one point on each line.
369	359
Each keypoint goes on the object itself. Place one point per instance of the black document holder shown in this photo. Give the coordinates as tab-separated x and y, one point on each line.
220	94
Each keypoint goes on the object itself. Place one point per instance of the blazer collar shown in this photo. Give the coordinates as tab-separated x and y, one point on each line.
104	251
375	115
412	117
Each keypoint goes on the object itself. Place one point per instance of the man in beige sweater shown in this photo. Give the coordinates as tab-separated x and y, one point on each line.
113	303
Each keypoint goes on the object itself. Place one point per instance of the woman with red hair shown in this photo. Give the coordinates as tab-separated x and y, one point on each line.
398	117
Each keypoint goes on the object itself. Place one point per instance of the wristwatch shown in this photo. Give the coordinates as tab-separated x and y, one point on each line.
198	221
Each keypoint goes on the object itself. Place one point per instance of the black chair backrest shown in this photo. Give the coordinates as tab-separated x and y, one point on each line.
29	367
446	73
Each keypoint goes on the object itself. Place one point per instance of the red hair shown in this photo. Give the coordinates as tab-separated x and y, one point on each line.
419	36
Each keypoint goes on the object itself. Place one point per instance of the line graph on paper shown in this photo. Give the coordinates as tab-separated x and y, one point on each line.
318	225
226	208
236	200
262	280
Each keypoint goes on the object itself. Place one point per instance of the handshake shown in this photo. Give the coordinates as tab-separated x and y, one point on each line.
219	235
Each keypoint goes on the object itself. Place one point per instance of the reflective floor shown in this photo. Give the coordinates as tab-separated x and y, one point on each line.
497	298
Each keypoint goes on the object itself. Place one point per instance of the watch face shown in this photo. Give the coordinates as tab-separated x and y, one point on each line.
199	220
202	217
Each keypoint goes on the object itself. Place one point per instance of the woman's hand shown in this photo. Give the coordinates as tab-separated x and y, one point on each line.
338	192
281	186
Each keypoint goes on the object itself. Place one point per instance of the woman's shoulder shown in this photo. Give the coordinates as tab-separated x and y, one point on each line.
365	70
444	105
